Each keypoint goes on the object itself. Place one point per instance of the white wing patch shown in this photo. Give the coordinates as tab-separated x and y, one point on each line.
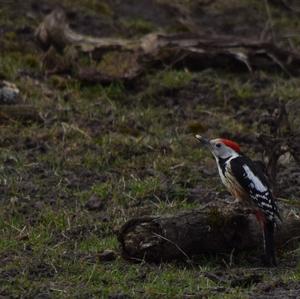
255	181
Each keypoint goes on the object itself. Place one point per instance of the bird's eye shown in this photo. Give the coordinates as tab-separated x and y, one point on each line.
218	145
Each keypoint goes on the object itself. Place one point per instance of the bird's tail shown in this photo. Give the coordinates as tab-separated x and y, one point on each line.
267	226
269	246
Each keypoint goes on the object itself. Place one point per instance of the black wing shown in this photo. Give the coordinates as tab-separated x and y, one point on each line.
255	183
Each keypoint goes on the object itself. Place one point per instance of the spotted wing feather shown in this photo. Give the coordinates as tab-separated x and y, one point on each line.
254	182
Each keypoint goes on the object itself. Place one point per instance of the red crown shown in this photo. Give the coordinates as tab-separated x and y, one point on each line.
231	144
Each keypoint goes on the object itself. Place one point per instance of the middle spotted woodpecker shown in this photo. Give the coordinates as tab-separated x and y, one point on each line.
249	185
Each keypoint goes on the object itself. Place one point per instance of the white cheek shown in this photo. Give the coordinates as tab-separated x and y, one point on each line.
224	154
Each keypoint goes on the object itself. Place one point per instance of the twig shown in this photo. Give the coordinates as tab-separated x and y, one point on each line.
170	241
285	5
290	240
270	20
67	126
92	273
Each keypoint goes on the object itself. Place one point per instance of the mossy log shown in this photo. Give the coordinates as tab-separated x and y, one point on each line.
213	229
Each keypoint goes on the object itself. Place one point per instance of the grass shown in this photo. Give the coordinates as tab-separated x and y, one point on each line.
101	8
138	26
133	148
172	79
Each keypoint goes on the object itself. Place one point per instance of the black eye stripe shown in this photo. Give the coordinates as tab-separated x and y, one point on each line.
218	145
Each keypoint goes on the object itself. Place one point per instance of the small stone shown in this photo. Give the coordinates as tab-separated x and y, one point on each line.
286	159
94	203
107	255
8	93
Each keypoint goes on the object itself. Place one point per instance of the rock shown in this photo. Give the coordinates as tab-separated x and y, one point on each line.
286	159
107	255
9	93
94	203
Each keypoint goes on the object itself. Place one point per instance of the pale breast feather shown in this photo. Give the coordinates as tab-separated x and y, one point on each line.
232	183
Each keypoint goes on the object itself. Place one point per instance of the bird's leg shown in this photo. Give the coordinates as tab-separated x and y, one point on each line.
269	242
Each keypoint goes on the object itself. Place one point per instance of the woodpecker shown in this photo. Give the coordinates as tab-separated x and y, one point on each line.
248	185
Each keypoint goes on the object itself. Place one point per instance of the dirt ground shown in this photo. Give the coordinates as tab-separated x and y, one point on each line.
91	156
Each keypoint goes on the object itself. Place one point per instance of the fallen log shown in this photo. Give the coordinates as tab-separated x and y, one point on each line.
192	50
213	229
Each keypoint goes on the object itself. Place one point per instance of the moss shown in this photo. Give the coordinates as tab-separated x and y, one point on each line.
285	90
103	190
138	26
32	61
58	82
118	64
173	79
10	36
103	8
10	64
242	91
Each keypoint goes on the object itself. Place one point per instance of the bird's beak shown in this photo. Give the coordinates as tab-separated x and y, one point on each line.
204	141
